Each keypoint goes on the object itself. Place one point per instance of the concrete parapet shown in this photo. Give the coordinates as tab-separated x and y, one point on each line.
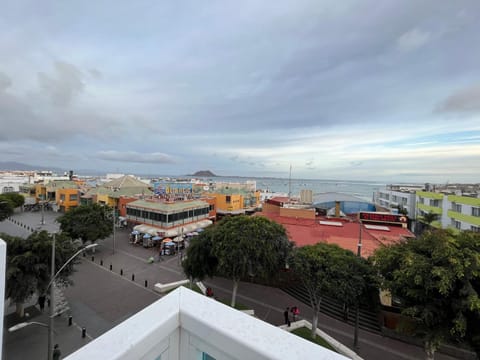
338	346
163	288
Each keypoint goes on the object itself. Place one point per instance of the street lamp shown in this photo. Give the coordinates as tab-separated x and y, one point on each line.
53	276
357	310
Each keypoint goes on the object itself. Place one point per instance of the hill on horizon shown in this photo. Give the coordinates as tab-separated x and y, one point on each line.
204	173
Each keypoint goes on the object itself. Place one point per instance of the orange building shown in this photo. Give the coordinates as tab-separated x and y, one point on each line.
67	199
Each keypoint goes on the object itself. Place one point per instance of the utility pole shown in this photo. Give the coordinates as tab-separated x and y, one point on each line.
113	216
52	301
43	212
357	310
290	183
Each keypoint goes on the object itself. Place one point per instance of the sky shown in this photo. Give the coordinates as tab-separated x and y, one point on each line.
352	90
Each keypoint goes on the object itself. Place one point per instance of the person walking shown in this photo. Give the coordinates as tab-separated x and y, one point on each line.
41	302
287	316
56	352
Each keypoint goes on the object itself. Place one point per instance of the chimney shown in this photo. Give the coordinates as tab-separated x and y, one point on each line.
337	208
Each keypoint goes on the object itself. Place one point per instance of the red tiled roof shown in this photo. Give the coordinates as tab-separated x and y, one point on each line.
309	232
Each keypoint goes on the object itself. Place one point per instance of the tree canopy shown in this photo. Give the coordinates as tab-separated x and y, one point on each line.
87	222
6	209
28	264
436	278
200	262
327	269
16	200
241	246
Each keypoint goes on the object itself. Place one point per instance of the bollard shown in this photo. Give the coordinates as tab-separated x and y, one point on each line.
101	262
121	272
70	320
111	267
84	332
93	258
133	277
146	283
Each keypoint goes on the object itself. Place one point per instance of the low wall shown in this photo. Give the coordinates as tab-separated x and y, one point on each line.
163	288
338	346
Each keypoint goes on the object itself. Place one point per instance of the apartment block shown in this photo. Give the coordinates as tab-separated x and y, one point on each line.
454	211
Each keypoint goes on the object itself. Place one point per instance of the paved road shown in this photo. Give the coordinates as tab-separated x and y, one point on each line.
99	299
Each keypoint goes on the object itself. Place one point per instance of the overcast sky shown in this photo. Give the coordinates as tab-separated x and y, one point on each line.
364	90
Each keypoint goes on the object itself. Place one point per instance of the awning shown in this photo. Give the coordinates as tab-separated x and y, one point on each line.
145	229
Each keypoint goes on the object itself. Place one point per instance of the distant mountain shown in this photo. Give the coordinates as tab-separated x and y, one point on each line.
204	173
16	166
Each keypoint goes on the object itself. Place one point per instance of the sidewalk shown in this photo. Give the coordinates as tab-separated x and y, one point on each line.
31	342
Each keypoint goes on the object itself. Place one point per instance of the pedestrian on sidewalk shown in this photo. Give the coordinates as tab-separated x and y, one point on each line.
41	302
56	352
287	316
296	312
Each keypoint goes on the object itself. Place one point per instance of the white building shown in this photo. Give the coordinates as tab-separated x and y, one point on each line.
398	195
189	326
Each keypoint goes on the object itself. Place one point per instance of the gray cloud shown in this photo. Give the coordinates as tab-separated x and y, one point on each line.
5	82
412	40
64	84
136	157
464	101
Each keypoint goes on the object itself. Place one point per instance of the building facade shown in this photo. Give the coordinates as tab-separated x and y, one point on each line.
395	196
167	219
453	211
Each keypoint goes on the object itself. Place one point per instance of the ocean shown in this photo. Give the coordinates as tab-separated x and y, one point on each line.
361	189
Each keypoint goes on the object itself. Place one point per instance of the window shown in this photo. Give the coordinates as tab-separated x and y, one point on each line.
435	203
475	211
475	228
62	197
228	199
73	197
421	200
456	224
457	207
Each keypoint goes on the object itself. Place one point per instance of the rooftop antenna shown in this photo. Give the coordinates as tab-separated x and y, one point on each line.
290	183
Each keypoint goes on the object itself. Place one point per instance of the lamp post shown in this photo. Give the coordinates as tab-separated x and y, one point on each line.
50	286
42	222
113	216
357	310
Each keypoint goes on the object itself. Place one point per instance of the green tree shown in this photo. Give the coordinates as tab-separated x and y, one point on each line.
199	261
326	269
15	199
249	246
6	209
28	264
434	276
429	218
237	247
87	222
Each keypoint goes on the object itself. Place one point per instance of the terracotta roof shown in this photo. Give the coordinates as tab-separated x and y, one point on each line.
343	232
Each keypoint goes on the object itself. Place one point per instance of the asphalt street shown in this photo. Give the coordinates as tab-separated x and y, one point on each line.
101	298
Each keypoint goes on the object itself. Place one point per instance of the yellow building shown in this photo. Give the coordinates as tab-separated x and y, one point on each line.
110	192
64	194
236	201
67	199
